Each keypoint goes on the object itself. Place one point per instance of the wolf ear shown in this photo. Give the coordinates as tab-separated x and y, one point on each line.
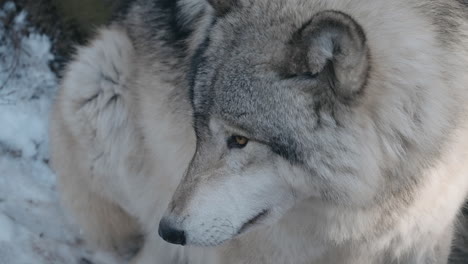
222	6
336	52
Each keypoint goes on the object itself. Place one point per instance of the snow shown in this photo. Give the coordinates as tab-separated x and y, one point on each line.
33	229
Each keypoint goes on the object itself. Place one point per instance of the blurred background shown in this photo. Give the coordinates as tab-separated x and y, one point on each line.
37	38
66	22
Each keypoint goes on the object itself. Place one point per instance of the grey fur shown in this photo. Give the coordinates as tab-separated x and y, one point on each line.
459	253
355	111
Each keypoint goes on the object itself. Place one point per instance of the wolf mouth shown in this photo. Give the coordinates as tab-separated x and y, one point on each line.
262	215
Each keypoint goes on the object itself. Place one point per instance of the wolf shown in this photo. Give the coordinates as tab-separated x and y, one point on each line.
268	131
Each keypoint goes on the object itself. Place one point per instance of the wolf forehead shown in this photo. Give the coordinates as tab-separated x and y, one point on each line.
238	85
258	106
259	80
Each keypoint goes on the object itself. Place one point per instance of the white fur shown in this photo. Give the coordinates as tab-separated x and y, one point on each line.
120	159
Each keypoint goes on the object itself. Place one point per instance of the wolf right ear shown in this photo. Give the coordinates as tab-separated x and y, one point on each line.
336	50
222	6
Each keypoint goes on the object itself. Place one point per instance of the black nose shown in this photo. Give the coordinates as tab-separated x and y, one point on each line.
170	234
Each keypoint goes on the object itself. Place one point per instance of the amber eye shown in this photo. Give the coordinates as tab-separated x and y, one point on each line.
237	142
241	140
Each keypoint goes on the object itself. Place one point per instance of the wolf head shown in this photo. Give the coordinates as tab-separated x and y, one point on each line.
278	113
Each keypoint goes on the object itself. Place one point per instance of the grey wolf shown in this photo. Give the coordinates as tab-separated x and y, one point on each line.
268	131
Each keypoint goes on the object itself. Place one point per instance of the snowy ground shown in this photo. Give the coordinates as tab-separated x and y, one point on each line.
32	226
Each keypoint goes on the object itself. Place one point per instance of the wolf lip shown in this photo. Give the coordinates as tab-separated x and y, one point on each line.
262	215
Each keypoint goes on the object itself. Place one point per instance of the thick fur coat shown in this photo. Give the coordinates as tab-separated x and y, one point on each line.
268	131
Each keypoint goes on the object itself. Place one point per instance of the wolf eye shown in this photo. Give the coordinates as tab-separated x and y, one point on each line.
306	75
237	142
